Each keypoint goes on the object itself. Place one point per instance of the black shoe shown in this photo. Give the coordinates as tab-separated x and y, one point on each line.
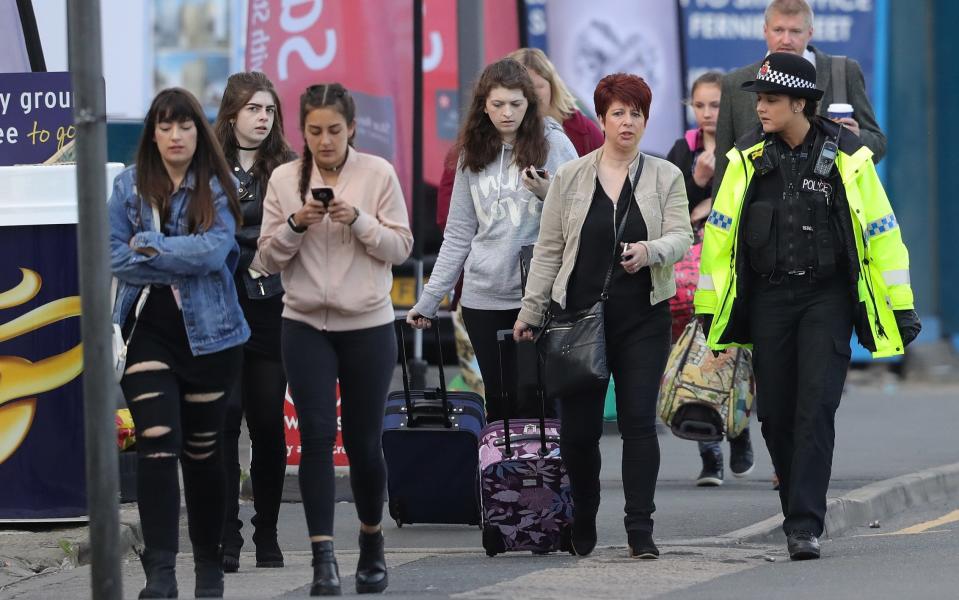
231	542
208	566
326	573
371	568
802	545
741	455
712	473
641	545
160	569
268	553
583	533
231	559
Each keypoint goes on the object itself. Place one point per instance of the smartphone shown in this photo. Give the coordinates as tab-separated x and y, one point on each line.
540	172
323	194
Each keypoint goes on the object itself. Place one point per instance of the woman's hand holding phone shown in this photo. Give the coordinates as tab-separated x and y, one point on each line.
312	212
536	181
342	211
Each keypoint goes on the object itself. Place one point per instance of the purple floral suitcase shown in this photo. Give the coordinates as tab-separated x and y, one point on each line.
525	491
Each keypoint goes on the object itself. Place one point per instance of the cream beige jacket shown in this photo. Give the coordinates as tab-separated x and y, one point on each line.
338	277
660	195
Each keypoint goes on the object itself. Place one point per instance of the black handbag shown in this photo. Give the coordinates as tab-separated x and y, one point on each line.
573	345
262	288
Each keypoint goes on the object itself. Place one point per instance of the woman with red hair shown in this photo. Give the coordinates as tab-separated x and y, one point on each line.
576	262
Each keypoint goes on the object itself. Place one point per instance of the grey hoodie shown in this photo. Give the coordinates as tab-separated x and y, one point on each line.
492	215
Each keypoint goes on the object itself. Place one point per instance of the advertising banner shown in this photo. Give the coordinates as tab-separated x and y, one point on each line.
36	116
13	46
630	36
364	44
291	425
726	34
41	407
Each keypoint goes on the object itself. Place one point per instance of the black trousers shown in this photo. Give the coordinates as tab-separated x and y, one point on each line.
177	402
259	394
481	326
637	345
801	330
363	360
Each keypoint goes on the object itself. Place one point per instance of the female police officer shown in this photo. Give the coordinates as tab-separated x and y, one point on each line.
802	246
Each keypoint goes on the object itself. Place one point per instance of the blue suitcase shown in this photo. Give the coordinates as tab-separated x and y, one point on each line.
429	442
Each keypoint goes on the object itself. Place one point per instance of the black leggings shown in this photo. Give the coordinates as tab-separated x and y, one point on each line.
637	344
177	402
258	394
481	326
363	360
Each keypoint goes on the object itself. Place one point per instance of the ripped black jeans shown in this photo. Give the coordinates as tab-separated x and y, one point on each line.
177	401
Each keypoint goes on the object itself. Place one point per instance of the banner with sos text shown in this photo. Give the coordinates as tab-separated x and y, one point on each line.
291	426
363	44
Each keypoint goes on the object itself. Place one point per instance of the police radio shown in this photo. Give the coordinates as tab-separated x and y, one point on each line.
827	156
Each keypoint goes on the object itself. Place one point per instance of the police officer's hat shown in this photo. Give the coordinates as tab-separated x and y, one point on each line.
786	73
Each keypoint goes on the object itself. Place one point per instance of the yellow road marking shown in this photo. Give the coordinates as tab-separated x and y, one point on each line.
923	527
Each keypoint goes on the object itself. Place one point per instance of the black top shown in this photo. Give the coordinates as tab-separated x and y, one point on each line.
798	199
163	318
684	158
596	252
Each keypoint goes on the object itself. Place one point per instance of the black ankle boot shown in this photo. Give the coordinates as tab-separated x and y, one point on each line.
231	559
160	569
326	574
641	545
268	553
583	538
208	566
371	568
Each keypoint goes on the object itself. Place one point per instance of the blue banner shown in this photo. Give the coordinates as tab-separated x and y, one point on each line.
36	116
41	407
727	34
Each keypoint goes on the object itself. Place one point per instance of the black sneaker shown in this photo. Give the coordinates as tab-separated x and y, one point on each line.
741	455
712	473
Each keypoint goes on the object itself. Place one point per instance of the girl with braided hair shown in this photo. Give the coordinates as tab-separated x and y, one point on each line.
334	223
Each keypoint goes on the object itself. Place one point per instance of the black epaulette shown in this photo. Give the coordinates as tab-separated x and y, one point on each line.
849	143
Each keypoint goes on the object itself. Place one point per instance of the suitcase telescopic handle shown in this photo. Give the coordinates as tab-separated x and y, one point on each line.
408	397
504	336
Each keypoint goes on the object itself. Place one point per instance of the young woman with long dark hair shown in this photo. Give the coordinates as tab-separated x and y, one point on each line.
495	210
249	127
334	223
186	343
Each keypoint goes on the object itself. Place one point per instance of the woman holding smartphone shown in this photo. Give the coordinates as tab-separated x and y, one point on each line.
335	259
507	153
249	127
186	344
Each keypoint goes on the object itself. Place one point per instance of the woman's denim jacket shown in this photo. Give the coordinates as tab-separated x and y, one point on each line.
200	265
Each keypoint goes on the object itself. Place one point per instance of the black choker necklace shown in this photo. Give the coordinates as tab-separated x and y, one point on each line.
251	149
337	167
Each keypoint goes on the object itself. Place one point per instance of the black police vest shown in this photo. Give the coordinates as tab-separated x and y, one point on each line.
788	221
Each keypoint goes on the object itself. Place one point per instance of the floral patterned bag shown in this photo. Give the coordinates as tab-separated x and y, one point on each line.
526	501
705	397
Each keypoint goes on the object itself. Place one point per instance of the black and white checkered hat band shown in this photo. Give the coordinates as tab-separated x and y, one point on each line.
785	79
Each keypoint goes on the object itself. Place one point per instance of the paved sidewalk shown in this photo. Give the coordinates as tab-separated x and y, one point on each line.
884	430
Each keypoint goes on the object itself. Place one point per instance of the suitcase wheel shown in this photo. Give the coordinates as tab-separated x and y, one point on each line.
493	541
565	540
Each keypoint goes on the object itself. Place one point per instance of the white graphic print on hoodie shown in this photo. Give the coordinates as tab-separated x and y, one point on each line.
492	215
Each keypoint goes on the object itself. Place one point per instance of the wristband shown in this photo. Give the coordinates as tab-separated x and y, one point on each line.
292	223
356	215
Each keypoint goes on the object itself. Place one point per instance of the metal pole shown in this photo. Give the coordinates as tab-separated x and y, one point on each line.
86	68
470	29
418	366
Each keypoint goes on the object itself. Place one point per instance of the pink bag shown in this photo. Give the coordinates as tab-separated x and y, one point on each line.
687	277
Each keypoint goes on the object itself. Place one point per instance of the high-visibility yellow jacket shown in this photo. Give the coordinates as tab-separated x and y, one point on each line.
882	281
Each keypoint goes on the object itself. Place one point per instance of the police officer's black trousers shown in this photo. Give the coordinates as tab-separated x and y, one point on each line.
801	330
